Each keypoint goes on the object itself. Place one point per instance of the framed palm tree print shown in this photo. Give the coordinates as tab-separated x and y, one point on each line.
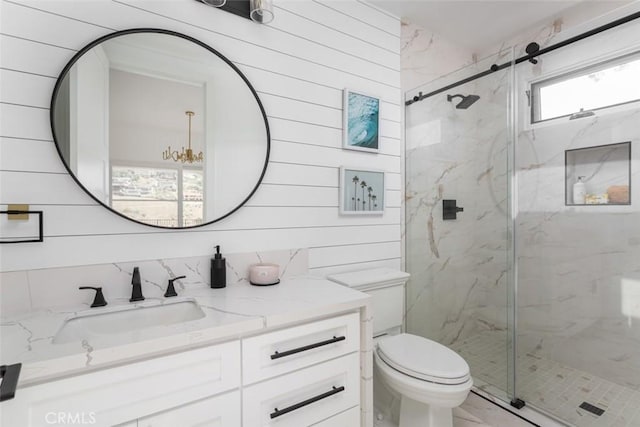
361	191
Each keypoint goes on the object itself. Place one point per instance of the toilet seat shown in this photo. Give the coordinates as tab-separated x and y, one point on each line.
423	359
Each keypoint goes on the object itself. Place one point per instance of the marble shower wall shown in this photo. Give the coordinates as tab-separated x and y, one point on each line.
579	275
578	270
459	268
459	154
427	56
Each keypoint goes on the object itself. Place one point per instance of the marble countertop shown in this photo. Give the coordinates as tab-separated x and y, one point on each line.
237	310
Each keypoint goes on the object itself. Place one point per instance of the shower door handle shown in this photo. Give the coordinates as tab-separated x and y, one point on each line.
450	209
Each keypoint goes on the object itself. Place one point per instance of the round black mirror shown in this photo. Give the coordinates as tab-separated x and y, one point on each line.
160	128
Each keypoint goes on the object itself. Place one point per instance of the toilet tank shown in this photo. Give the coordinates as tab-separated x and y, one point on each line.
386	287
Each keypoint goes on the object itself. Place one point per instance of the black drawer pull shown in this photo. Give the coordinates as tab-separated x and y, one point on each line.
277	412
278	355
9	375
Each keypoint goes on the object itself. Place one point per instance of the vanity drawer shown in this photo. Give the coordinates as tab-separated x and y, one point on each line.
217	411
279	352
124	393
304	397
350	418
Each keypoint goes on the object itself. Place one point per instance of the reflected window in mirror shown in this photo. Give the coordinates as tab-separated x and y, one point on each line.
166	197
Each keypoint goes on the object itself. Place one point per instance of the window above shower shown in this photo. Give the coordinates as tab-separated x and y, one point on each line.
580	92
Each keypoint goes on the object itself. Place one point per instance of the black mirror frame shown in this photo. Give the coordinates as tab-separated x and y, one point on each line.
98	41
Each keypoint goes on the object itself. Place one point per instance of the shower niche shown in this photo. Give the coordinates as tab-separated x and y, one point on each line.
598	175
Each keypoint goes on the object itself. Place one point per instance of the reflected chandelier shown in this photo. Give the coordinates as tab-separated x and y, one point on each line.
185	155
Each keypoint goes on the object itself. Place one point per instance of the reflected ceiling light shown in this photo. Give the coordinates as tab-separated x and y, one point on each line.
214	3
185	155
261	11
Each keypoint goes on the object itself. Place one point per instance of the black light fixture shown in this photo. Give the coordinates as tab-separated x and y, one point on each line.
215	3
260	11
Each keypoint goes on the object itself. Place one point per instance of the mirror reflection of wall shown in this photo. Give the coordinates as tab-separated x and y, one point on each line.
89	122
130	105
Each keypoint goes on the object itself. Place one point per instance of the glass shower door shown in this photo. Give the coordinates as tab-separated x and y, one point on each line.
457	154
578	261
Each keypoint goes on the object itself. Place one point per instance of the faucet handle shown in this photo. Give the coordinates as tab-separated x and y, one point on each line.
136	291
171	291
98	300
135	277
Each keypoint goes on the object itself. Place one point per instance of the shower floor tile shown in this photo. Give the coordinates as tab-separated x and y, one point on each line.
549	385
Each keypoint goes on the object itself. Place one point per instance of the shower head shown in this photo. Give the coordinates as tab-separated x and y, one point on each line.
466	102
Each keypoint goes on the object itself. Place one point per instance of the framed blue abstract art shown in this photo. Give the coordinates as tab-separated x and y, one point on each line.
361	121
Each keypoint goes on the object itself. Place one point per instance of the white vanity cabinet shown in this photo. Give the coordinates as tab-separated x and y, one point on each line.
302	375
298	376
282	351
121	394
304	397
216	411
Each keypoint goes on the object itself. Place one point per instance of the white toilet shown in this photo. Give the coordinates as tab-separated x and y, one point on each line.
430	378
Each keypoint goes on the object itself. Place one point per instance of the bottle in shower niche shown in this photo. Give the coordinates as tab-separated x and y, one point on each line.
218	270
579	191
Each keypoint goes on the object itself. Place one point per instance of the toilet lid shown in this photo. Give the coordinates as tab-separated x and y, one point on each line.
423	359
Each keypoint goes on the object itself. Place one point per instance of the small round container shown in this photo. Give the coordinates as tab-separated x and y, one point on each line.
264	274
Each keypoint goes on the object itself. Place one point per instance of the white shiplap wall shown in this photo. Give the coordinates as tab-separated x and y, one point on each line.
299	65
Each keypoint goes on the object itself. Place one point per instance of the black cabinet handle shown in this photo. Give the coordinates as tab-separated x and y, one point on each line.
278	355
277	412
9	375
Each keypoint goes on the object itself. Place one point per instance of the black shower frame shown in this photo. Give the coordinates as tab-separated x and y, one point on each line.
529	57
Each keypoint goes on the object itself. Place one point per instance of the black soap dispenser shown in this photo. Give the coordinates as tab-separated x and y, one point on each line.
218	270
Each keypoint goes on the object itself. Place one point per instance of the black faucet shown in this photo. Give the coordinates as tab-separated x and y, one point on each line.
136	292
98	300
171	291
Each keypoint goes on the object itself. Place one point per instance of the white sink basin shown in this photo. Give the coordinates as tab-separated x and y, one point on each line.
90	325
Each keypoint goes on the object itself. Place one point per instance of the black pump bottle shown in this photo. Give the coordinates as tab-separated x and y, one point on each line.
218	270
